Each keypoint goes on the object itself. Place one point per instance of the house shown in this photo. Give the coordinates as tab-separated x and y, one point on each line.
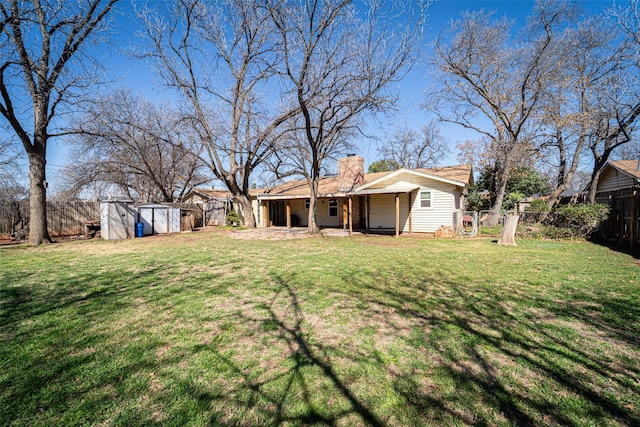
212	206
619	175
405	200
619	187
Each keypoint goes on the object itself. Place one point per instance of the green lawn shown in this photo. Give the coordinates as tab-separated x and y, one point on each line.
203	329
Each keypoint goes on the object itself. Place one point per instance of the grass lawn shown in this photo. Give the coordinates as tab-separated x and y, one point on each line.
203	329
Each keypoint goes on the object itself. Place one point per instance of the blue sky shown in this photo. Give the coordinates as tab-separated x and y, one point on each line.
130	73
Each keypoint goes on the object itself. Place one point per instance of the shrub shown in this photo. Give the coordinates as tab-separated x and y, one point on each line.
511	201
537	206
583	219
233	218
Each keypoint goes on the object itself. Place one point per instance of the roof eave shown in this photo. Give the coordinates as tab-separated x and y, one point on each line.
413	172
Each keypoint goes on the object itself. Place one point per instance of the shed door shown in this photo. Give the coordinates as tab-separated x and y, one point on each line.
161	221
145	216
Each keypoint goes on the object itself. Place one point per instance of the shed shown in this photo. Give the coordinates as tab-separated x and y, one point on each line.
117	219
159	218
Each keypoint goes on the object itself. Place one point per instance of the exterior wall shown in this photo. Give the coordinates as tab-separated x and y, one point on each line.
300	212
322	211
443	205
117	220
382	212
159	219
258	212
445	199
612	179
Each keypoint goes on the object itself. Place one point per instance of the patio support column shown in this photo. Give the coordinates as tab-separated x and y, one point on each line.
267	220
634	219
410	214
366	202
345	215
350	217
288	213
397	214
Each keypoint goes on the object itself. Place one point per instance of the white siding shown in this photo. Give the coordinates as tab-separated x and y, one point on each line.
427	220
382	211
443	201
612	179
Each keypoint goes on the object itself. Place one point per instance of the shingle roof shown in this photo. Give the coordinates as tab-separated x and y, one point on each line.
329	185
212	193
461	173
627	166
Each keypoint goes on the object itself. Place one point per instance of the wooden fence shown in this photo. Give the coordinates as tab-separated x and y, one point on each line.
63	218
623	223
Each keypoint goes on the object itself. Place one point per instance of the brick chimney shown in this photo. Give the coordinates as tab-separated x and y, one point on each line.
350	172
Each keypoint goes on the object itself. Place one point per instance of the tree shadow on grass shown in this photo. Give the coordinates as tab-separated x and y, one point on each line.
479	355
51	356
288	394
508	354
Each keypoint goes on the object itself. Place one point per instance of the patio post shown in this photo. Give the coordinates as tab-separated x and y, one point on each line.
410	214
397	214
350	217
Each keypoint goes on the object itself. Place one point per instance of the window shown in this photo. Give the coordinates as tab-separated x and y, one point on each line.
425	199
333	207
306	204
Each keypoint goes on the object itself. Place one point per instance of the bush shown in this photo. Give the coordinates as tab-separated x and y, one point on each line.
537	206
511	201
233	218
583	219
577	221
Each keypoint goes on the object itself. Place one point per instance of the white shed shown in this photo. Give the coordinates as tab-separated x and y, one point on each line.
158	218
117	219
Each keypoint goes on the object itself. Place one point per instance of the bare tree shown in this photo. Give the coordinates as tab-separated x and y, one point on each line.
414	150
339	63
143	149
484	73
39	72
10	188
617	119
220	57
580	99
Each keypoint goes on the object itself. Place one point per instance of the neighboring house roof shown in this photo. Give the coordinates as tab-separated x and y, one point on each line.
630	167
617	174
211	194
329	186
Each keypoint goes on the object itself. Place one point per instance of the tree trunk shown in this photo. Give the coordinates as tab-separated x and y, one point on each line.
38	233
313	204
508	235
248	220
593	187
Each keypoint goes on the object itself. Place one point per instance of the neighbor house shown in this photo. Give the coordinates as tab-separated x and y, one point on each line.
405	200
619	187
618	175
212	206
